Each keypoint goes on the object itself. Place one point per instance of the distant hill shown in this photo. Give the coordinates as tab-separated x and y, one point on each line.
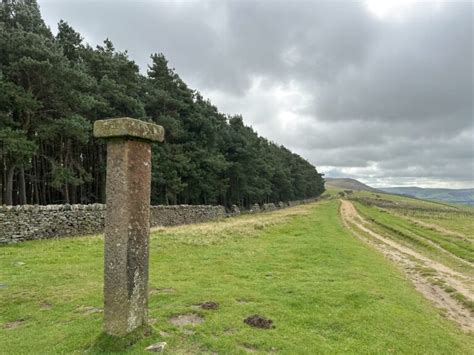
464	196
348	184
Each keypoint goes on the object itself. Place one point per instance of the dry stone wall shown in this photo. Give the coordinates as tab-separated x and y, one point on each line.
184	214
19	223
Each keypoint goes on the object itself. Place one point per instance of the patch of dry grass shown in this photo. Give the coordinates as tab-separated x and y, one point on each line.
244	226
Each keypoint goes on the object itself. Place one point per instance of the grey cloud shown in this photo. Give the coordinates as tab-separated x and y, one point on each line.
223	45
385	100
417	70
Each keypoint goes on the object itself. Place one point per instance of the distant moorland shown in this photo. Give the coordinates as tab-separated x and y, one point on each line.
464	196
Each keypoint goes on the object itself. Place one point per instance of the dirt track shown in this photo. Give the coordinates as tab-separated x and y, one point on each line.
434	227
412	262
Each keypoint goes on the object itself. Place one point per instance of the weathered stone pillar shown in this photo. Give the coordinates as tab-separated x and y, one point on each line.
127	221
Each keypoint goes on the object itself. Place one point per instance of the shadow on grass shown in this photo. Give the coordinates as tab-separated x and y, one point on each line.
106	343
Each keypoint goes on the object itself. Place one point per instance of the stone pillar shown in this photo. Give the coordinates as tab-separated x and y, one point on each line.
127	221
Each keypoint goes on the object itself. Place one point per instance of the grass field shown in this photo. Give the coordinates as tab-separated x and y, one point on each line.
326	291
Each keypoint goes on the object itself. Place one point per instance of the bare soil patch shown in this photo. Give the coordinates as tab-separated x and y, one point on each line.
259	322
416	267
243	301
249	348
165	290
13	324
164	334
210	305
89	310
186	319
45	306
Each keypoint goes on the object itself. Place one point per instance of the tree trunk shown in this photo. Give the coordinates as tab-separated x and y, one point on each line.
102	175
2	184
73	194
22	185
9	188
35	182
66	193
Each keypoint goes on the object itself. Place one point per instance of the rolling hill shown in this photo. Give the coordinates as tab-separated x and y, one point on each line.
464	196
348	184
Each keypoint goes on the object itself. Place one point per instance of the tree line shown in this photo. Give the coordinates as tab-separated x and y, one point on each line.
53	88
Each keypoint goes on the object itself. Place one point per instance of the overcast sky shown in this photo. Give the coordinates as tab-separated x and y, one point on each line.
378	90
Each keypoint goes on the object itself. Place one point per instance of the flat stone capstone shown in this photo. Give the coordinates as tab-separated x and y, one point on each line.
128	128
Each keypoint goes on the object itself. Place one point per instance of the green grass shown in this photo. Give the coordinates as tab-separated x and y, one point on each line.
461	221
325	291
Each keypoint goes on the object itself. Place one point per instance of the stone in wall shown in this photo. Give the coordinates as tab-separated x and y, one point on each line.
234	211
268	207
255	208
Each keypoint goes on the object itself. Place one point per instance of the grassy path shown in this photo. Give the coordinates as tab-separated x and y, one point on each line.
325	291
436	281
458	246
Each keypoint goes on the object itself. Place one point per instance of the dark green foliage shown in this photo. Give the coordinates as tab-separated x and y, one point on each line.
52	89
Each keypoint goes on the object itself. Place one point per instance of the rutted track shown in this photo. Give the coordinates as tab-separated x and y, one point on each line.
412	262
433	226
431	242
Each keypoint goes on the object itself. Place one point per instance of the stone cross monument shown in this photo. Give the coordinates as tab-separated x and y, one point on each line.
127	221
